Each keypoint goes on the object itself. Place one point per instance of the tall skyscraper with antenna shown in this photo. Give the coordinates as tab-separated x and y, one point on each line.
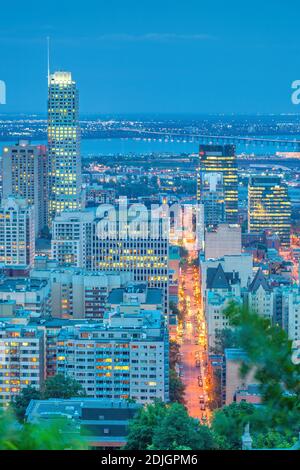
63	144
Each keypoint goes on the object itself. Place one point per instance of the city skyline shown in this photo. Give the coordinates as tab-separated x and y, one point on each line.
149	265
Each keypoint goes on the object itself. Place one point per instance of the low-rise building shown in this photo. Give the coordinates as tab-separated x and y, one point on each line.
216	320
241	264
233	383
98	422
260	296
135	296
29	294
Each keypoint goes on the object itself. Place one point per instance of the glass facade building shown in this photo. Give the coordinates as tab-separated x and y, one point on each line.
220	159
269	207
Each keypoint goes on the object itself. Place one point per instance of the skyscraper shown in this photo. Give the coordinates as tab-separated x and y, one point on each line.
269	207
212	198
25	167
63	144
220	159
17	244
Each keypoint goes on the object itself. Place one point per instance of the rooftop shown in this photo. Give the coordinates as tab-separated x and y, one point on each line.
218	279
22	284
153	295
72	407
235	354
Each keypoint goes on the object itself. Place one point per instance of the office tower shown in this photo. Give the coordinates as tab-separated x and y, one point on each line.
22	360
220	159
146	254
25	170
146	259
17	234
126	357
76	242
72	238
213	198
269	207
63	144
223	240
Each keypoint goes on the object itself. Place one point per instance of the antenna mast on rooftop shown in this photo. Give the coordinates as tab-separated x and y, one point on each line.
48	59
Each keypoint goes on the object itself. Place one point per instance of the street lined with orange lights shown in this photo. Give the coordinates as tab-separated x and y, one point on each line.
193	343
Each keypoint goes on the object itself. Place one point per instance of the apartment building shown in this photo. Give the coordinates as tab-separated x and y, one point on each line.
126	357
22	352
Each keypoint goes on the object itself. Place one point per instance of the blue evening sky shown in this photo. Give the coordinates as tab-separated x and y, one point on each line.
164	56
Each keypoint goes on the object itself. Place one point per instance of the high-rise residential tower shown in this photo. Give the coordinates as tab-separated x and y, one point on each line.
25	170
17	240
63	144
22	351
71	242
269	207
220	159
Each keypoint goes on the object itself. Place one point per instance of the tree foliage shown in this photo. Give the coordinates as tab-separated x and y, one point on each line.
272	440
229	422
57	386
60	386
176	311
51	435
20	402
177	428
141	428
174	354
161	426
269	353
176	387
226	338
